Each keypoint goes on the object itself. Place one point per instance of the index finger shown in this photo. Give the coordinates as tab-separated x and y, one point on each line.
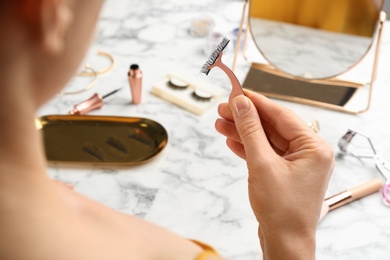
288	124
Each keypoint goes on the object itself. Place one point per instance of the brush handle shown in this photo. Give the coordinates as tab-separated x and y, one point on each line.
236	86
355	193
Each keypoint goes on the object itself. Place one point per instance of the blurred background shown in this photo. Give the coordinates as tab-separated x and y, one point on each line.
387	8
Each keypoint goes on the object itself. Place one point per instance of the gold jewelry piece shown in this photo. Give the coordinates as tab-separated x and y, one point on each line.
92	74
314	125
102	71
88	71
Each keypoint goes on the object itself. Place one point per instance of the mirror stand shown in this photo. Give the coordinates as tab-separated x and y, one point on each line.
332	93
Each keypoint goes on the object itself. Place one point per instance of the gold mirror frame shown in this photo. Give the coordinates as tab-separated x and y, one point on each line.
346	90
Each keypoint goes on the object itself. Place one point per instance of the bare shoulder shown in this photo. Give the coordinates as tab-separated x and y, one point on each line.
71	226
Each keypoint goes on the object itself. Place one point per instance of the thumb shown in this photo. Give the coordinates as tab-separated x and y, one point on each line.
250	129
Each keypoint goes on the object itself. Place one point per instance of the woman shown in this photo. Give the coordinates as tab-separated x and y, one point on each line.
42	44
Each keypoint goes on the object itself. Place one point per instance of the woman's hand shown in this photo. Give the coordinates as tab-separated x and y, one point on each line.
289	168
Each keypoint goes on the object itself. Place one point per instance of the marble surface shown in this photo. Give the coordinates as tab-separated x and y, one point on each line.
196	186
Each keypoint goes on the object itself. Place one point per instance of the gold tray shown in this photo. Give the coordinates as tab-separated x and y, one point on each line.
106	140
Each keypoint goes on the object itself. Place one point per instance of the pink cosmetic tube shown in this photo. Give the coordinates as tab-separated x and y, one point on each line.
135	82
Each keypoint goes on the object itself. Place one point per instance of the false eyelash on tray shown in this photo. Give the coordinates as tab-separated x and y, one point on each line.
187	91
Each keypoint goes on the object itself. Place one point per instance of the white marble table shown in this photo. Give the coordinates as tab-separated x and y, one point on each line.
196	186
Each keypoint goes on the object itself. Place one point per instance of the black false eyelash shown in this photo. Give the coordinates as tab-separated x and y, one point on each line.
203	97
117	144
142	139
177	84
94	151
214	56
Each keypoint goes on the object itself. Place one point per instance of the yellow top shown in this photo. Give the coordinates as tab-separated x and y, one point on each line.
344	16
208	251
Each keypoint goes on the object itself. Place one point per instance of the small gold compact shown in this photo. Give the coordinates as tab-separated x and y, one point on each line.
101	140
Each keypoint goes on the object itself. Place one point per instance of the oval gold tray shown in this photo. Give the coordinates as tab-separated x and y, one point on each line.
101	139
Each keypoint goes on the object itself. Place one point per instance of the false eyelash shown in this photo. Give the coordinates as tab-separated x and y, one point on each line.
214	56
177	84
94	151
146	141
202	97
117	144
140	137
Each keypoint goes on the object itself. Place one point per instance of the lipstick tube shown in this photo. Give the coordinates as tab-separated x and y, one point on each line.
135	82
355	193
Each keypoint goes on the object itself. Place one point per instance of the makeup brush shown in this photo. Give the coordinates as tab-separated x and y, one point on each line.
345	197
94	102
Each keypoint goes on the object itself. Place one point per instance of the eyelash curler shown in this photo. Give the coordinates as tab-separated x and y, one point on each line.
349	145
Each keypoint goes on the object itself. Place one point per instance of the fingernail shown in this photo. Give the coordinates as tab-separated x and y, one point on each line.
241	105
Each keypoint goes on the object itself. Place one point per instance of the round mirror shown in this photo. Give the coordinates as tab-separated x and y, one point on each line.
314	39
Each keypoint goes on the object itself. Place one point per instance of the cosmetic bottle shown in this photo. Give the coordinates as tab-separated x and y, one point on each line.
135	82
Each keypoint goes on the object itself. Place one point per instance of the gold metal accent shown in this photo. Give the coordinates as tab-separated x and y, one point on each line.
90	85
315	126
339	200
320	21
102	71
101	140
238	42
89	71
334	81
